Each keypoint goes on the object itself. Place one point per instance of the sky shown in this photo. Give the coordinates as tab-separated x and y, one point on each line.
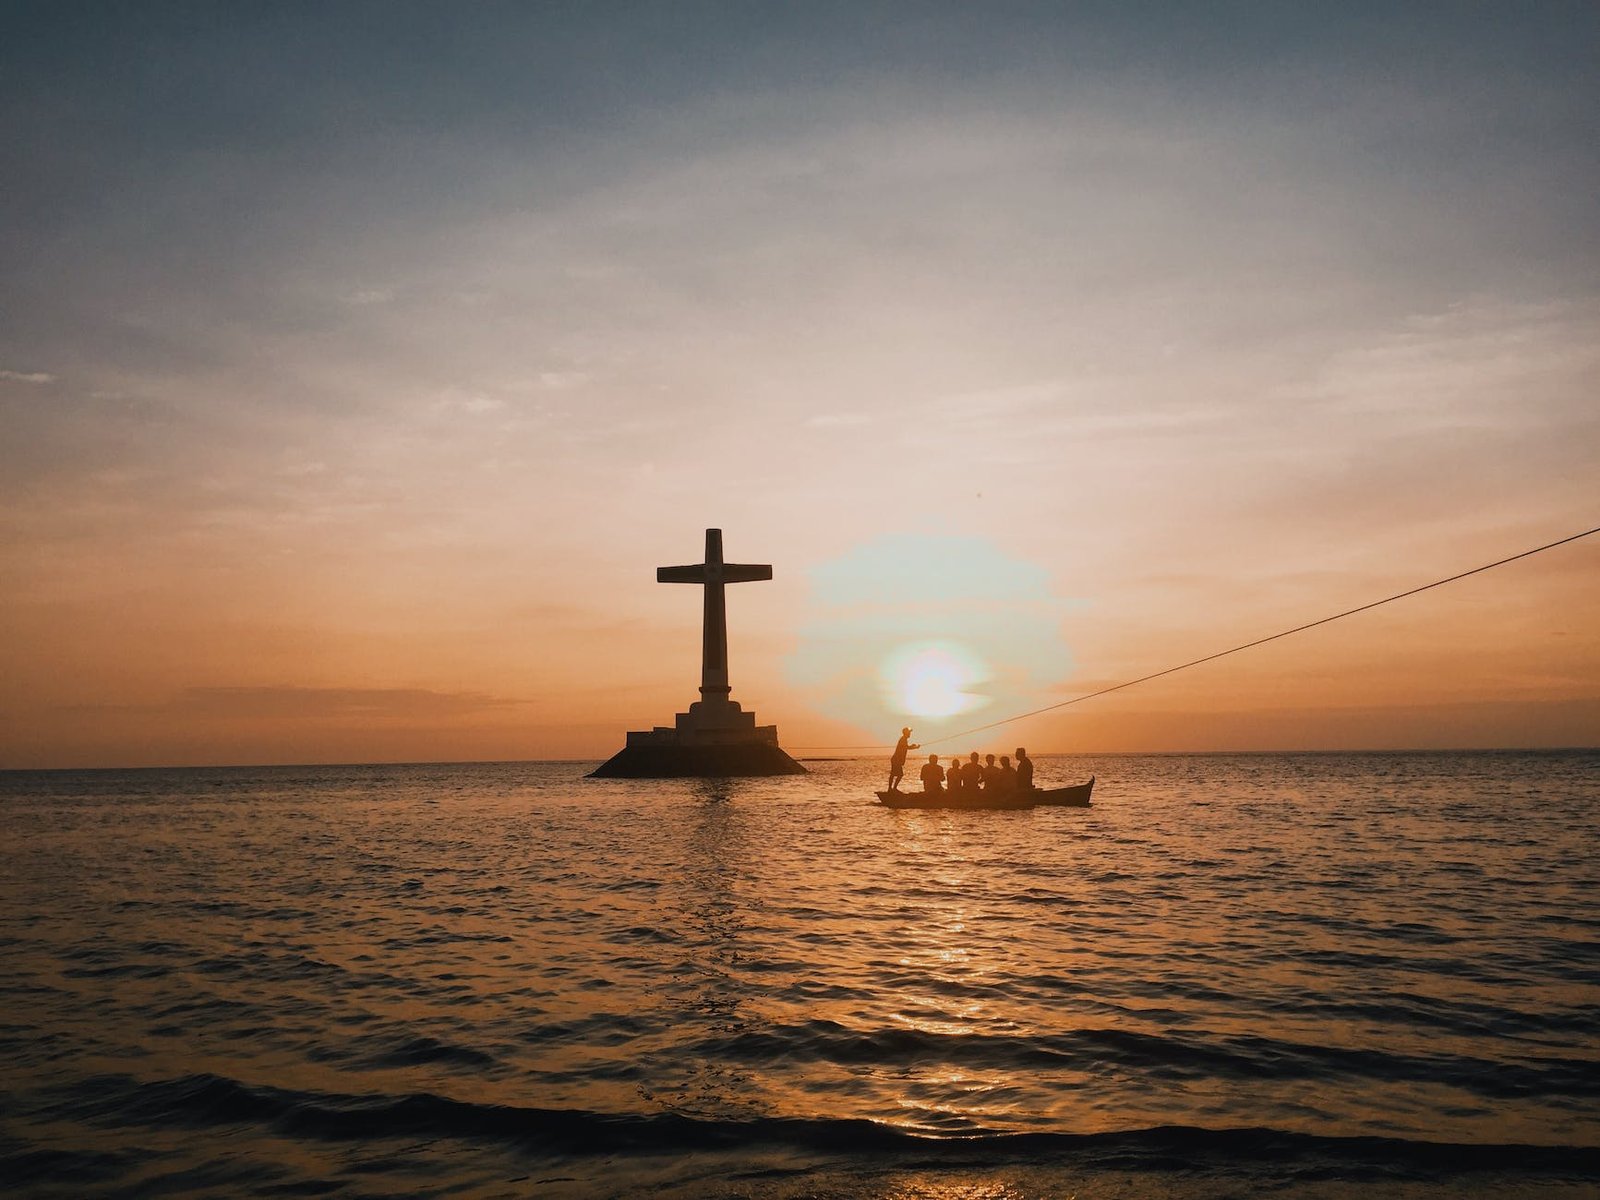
359	363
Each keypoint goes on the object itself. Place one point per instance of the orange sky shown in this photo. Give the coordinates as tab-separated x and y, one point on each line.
348	421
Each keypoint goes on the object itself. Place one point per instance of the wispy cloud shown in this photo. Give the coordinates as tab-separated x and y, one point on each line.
562	380
474	402
319	702
362	297
1480	362
27	376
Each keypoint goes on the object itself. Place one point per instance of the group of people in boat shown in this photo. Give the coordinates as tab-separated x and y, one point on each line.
969	778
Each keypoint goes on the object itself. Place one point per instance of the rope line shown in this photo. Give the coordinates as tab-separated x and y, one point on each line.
1349	612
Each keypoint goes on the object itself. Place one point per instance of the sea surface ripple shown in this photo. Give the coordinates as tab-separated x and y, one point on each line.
1232	972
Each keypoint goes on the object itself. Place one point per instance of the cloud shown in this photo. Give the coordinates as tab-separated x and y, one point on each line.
1481	363
27	376
562	380
365	296
312	702
470	402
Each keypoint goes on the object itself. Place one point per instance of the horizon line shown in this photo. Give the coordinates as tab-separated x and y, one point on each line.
496	762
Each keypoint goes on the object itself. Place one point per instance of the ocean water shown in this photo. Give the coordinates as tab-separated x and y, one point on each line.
1234	975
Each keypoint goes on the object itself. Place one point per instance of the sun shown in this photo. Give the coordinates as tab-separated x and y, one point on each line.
930	679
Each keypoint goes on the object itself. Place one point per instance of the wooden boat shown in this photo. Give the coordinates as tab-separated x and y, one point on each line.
1075	796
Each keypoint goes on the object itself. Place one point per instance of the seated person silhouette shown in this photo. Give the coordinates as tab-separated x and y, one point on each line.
932	775
1024	770
1006	780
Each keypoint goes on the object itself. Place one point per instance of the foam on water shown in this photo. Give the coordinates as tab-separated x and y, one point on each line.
381	980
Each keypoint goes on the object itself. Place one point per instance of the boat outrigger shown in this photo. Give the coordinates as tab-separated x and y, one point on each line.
1075	796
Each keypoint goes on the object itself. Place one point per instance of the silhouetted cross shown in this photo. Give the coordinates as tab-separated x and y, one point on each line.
713	573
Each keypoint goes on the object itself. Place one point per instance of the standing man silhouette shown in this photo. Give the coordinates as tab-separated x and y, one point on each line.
897	760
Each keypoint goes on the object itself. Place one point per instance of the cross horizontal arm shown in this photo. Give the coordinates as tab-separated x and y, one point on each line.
745	572
694	574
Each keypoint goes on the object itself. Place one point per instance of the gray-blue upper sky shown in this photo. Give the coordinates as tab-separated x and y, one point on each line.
205	136
211	165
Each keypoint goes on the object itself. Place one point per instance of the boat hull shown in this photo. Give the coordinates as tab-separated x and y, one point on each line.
1076	796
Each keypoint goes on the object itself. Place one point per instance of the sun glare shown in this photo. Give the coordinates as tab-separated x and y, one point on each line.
931	627
930	679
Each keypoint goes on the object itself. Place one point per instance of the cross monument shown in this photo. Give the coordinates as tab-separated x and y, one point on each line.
716	737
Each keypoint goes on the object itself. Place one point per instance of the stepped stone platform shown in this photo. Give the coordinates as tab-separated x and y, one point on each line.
697	762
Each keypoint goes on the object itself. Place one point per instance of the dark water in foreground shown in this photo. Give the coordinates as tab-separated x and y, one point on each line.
1305	974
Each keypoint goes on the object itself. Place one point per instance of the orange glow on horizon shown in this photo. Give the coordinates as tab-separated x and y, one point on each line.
149	676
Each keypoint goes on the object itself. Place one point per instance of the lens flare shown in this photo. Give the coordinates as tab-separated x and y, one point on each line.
930	679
